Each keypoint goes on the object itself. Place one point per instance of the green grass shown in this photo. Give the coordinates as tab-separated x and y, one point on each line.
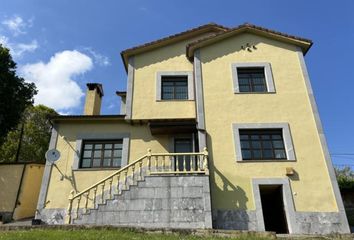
103	234
131	234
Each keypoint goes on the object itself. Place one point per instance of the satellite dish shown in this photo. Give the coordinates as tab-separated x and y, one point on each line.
52	155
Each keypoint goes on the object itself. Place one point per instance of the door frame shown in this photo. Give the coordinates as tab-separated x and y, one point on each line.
180	136
287	201
177	136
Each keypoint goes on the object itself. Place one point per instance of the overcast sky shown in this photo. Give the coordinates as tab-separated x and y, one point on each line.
62	45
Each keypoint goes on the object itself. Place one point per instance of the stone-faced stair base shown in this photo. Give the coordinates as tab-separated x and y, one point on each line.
158	202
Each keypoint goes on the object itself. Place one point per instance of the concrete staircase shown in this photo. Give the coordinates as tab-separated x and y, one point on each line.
159	201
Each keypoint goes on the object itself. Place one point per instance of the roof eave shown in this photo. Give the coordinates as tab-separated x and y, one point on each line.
305	45
61	118
168	40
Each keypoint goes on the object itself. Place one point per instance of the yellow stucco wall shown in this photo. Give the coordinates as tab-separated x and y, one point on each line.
140	140
231	180
10	177
169	58
28	197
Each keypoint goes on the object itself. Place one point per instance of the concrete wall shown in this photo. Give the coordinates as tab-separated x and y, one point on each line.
10	180
28	195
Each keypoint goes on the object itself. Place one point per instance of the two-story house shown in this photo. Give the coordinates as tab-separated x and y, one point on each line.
218	129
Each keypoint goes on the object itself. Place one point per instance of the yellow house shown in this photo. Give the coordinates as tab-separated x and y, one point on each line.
218	129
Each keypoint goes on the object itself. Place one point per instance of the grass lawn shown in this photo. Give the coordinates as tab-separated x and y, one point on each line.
104	234
122	234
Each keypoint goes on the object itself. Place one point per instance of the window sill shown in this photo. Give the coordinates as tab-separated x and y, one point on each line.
265	161
175	100
96	169
254	93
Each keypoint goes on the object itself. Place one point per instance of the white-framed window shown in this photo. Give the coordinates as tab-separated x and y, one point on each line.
174	86
263	142
252	78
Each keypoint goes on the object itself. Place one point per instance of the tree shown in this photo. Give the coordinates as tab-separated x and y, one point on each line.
345	177
35	137
15	94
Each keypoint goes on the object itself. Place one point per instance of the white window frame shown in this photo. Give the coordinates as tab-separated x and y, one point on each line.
188	74
288	143
267	73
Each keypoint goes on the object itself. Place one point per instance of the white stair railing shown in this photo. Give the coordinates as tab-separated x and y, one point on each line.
149	164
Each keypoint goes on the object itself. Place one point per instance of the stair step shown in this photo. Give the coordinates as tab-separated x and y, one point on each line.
134	183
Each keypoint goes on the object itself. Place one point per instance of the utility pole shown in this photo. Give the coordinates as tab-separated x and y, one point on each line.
19	144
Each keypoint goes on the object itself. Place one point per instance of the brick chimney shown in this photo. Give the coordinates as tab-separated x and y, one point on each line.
93	100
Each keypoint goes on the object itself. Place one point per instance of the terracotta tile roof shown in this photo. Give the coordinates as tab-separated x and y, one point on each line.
218	31
209	25
249	26
212	27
